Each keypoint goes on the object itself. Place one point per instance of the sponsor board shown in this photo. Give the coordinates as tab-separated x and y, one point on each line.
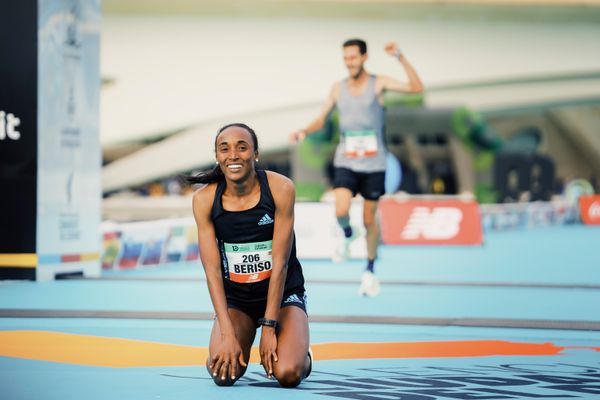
423	222
137	244
527	215
317	232
589	207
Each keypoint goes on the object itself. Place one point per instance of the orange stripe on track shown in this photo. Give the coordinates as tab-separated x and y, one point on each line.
124	353
473	348
96	351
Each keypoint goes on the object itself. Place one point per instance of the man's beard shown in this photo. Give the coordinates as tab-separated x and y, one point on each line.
358	74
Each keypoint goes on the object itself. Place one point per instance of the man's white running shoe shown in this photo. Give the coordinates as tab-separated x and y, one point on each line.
369	285
342	250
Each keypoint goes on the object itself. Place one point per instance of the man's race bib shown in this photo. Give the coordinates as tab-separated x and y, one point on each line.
360	143
249	262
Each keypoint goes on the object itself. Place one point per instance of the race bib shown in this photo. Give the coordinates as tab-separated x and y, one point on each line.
360	143
249	262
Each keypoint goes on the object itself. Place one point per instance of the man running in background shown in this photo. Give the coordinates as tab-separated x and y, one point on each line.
360	157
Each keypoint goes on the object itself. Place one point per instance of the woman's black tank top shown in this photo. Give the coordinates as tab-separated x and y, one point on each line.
244	240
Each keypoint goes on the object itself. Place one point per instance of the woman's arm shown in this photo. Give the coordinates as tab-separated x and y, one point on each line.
225	361
284	194
209	255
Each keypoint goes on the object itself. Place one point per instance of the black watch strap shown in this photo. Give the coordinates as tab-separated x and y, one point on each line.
268	322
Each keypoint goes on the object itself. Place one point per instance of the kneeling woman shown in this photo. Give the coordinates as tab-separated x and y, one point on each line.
245	222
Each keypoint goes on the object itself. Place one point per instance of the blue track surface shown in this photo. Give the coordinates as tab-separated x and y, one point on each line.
420	282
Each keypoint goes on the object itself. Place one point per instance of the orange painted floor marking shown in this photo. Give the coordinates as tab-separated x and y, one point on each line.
123	353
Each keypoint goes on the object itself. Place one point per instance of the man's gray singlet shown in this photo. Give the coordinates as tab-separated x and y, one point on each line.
361	126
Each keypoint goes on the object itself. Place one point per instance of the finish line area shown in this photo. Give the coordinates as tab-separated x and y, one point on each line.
515	318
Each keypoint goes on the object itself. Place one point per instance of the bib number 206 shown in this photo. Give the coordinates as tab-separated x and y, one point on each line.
247	258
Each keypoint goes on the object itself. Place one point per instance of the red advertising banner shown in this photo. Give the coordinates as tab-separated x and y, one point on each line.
589	207
436	222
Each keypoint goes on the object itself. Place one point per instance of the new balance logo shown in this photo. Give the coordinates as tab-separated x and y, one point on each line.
594	211
436	224
265	220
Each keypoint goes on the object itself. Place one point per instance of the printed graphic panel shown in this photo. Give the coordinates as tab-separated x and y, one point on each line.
69	159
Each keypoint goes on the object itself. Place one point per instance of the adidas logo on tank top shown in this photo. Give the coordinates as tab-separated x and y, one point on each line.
265	220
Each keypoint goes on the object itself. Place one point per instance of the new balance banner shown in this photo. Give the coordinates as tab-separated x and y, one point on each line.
589	207
447	222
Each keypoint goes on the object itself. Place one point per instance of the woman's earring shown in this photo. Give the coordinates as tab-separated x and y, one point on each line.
256	160
216	163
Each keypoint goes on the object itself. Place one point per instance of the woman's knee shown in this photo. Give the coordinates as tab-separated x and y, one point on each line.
223	382
289	376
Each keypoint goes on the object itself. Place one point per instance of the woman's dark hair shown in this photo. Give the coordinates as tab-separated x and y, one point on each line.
362	45
215	174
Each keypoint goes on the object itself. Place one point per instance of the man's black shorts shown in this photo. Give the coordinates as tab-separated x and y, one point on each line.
370	185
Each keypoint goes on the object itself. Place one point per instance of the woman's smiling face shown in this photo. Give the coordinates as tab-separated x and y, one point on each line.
235	153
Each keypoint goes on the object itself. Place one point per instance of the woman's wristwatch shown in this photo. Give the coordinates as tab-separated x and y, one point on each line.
268	322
